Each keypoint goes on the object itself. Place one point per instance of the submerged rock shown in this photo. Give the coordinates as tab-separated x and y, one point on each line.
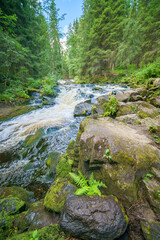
98	218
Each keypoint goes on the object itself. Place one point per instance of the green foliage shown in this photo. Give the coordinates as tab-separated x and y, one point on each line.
107	155
64	166
148	177
87	187
111	107
157	138
34	235
152	128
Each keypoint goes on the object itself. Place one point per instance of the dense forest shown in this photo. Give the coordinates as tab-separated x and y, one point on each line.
110	37
114	34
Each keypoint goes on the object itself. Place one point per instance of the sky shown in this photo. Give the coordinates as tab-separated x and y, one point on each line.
73	10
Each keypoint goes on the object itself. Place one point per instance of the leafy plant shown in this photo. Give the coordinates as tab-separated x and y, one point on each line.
34	235
152	128
148	177
107	155
111	107
157	139
87	187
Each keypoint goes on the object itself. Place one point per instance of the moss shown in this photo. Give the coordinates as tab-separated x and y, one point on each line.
46	233
8	113
56	195
64	166
17	192
9	207
122	157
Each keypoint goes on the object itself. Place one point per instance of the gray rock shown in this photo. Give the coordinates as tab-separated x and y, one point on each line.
99	218
151	230
35	218
83	109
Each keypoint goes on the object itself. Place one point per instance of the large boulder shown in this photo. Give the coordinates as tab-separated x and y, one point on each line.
98	218
56	195
132	154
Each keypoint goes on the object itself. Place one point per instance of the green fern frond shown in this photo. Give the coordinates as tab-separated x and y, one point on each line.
80	180
93	190
87	187
82	191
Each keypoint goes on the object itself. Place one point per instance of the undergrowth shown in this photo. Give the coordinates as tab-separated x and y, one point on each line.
87	187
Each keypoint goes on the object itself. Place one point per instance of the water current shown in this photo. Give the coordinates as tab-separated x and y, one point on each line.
59	125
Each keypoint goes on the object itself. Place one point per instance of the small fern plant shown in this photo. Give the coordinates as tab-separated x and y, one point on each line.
87	187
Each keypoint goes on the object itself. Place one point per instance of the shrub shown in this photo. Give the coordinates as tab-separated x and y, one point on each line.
111	107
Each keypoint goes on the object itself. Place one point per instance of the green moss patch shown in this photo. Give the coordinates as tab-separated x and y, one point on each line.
56	195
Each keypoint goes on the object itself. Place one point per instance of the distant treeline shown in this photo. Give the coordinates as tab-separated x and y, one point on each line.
114	33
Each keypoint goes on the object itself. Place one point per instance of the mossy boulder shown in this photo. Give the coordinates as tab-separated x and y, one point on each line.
35	217
56	195
151	230
51	162
143	109
132	154
8	208
17	192
46	233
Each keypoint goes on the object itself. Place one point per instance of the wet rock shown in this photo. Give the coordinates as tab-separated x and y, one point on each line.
64	166
35	218
83	109
46	233
17	192
98	218
8	208
151	230
97	89
56	195
132	155
52	161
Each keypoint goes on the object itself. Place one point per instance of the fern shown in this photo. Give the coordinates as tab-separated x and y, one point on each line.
87	187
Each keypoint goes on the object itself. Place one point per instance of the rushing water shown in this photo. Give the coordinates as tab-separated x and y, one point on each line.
59	126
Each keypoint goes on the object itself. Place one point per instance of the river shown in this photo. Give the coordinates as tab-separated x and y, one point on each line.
59	125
